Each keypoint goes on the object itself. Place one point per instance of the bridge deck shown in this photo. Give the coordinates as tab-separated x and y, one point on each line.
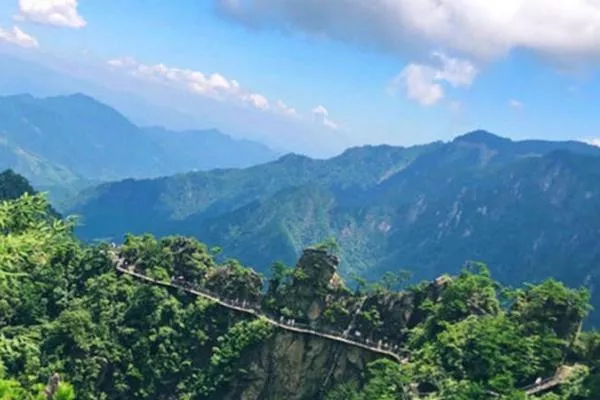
253	312
544	385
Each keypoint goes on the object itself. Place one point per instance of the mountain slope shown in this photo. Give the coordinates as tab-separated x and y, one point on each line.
147	205
528	209
72	141
13	186
207	149
80	134
137	322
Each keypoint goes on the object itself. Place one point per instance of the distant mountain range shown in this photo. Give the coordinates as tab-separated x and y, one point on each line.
530	209
67	142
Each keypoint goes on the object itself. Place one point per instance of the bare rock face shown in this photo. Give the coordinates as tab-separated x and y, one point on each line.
298	366
234	282
397	311
315	278
320	267
295	367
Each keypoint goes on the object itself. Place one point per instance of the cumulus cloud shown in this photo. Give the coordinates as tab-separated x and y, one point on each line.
18	37
51	12
214	85
321	117
424	83
257	100
516	105
419	83
455	71
560	29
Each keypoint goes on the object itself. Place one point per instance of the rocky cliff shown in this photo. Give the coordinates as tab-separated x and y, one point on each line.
295	366
300	366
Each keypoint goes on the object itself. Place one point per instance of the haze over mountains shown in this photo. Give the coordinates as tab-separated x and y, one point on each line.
529	209
526	208
63	143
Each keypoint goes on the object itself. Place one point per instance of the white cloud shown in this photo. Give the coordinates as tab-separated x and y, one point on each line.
565	30
423	83
257	100
122	62
516	105
592	141
455	71
284	109
419	84
321	116
18	37
51	12
330	124
320	110
215	85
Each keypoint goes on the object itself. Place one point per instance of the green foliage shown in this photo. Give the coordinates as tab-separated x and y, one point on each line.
551	306
386	380
389	282
229	349
473	342
335	312
330	244
14	390
13	186
392	280
431	207
362	285
66	143
371	318
278	286
64	309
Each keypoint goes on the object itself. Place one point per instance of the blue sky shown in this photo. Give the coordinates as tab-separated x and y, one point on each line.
353	72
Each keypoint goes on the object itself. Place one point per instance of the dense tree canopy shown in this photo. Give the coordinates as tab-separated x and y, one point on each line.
65	310
482	339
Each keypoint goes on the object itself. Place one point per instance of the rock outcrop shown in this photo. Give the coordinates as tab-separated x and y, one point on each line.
299	366
295	367
314	279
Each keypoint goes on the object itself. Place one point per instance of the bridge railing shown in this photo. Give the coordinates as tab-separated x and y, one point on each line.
536	386
384	348
253	307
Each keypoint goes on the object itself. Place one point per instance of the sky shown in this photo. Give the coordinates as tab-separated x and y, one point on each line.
318	76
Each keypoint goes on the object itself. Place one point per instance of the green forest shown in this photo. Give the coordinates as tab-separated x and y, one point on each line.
425	208
71	327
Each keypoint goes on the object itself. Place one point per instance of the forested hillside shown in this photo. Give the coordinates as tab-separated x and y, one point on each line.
529	209
67	315
65	143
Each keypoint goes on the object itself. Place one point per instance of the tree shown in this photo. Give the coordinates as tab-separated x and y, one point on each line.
280	278
330	244
361	283
551	307
392	280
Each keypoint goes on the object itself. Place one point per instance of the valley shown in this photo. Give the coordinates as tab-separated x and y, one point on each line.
428	209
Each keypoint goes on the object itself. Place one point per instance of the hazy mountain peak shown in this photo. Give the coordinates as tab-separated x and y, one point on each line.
292	158
482	137
80	96
20	96
76	135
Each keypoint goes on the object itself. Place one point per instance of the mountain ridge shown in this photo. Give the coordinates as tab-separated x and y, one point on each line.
478	198
71	141
170	318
